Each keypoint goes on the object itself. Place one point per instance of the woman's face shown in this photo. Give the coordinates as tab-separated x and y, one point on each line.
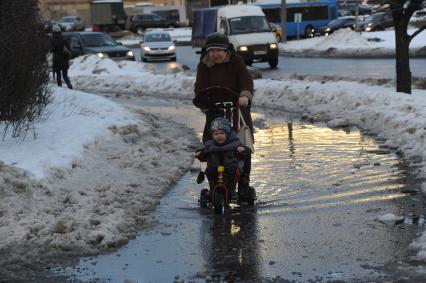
217	55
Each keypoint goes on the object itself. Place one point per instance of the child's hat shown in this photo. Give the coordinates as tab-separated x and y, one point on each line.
221	124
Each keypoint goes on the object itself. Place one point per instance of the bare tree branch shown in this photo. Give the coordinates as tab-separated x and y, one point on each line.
417	32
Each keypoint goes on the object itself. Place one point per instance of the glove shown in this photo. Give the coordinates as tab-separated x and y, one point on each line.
243	101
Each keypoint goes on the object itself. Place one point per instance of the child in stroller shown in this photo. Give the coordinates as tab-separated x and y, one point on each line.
223	154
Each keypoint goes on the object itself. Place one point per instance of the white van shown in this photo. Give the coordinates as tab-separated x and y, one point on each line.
247	29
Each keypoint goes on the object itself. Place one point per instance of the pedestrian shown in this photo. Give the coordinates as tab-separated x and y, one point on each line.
61	56
220	66
223	149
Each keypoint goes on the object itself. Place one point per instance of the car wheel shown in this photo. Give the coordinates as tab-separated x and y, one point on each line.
273	63
309	31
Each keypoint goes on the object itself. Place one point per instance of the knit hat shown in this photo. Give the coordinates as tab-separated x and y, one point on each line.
221	124
216	40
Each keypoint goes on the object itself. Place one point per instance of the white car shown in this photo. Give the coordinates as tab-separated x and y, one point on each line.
158	45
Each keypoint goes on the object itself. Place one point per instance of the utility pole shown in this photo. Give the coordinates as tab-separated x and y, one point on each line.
284	20
357	17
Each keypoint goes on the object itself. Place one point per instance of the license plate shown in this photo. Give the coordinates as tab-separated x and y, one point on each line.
259	52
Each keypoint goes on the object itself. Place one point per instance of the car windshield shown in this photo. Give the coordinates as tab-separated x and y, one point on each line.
94	40
67	20
155	37
336	22
248	24
371	17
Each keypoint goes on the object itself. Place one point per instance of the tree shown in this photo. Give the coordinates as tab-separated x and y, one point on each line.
402	10
24	71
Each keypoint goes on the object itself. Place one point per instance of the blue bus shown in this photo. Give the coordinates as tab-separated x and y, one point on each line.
314	14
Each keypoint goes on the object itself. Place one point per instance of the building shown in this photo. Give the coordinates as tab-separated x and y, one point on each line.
55	9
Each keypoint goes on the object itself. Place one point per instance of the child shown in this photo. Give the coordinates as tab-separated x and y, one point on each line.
224	148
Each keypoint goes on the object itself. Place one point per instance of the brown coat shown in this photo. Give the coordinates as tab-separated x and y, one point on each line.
232	74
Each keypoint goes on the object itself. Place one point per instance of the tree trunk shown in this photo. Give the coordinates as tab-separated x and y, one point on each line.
402	43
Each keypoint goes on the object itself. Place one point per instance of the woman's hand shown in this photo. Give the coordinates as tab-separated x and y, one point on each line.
240	149
243	101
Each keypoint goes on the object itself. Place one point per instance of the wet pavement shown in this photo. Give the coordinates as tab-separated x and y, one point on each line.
322	195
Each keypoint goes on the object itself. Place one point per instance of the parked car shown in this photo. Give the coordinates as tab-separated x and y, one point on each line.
139	22
99	43
278	32
346	22
377	21
157	45
350	10
71	23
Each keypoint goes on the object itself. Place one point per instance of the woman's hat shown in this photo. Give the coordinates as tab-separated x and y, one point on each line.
216	40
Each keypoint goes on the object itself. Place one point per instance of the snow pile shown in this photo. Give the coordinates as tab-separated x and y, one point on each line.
92	113
343	38
105	75
346	42
389	217
88	65
102	170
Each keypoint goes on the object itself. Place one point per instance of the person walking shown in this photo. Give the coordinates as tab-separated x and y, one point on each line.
61	55
220	66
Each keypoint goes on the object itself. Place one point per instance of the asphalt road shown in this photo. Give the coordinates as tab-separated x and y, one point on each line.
383	68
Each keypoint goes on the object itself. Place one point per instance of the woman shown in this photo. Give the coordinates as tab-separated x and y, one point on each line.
61	56
220	66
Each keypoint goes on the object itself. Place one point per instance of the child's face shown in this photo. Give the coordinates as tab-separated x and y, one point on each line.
219	136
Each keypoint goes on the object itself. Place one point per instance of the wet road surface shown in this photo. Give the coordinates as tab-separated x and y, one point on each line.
321	195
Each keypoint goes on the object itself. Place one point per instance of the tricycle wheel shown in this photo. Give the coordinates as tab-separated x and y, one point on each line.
251	196
203	198
219	202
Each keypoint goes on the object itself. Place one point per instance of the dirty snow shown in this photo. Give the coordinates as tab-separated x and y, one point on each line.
97	169
346	42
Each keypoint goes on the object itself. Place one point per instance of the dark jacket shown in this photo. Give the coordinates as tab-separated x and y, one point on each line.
214	152
60	58
232	74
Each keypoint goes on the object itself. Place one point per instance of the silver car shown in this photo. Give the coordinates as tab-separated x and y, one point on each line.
71	23
158	45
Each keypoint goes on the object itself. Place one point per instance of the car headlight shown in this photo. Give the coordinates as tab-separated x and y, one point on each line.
146	48
243	48
370	24
102	55
273	46
171	47
129	54
327	29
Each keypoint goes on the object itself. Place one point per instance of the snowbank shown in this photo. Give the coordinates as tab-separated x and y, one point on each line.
348	43
92	177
